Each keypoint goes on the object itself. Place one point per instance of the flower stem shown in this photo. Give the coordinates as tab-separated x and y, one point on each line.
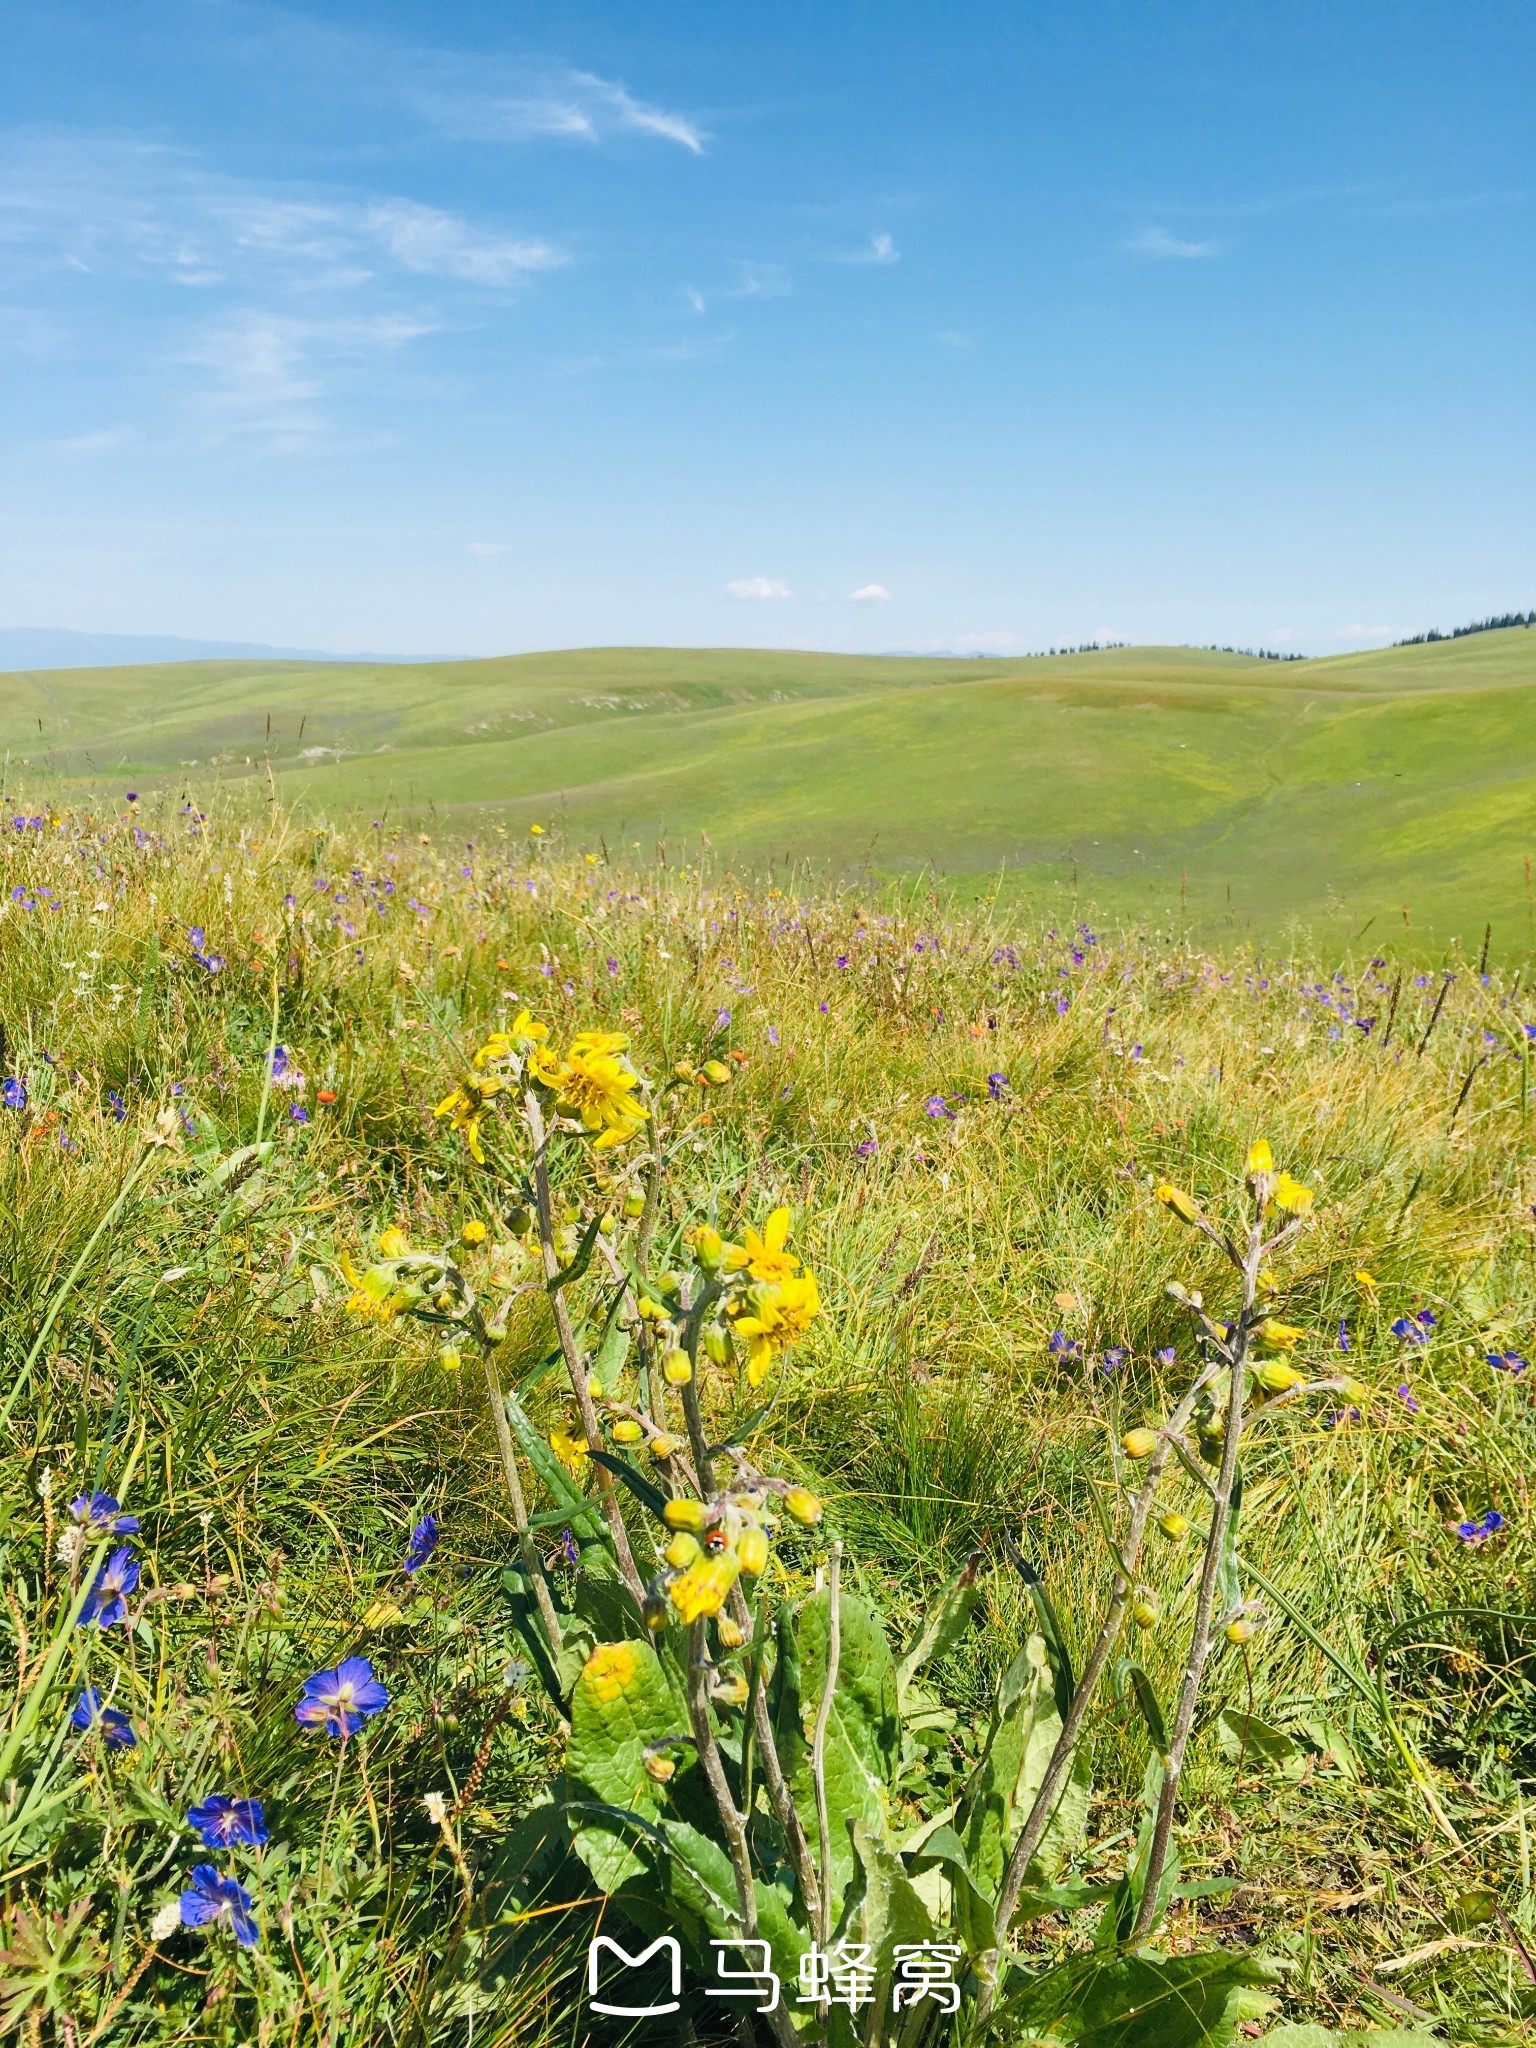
526	1550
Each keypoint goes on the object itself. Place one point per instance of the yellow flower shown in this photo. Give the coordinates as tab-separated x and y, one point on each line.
752	1552
1276	1378
1290	1194
1175	1199
393	1243
537	831
599	1087
473	1233
775	1317
764	1257
570	1449
465	1107
1139	1443
522	1033
1367	1280
609	1671
1260	1158
372	1292
702	1589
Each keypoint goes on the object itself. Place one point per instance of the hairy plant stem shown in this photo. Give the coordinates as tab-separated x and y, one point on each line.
1201	1634
574	1364
819	1740
732	1822
526	1550
1056	1770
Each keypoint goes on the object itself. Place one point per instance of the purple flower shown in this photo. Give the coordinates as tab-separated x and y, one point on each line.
119	1107
722	1020
279	1061
107	1604
116	1728
227	1823
569	1549
773	1034
1507	1361
1060	1345
997	1086
842	961
423	1543
1063	1004
13	1093
340	1701
864	1148
1168	1356
613	965
937	1106
211	1899
1115	1357
298	1112
98	1512
1409	1331
1344	1343
133	796
1480	1531
1405	1395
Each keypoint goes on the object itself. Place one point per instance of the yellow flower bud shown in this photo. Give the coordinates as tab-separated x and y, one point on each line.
676	1368
1276	1378
1278	1336
734	1692
1174	1526
731	1634
1175	1199
659	1768
708	1247
682	1550
1144	1608
700	1593
663	1446
634	1203
1239	1631
473	1233
594	1386
627	1432
717	1344
1291	1195
448	1358
1356	1393
392	1244
1139	1443
1260	1158
803	1506
752	1552
717	1073
685	1514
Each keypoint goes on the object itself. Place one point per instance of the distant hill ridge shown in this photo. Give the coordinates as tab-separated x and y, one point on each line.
23	647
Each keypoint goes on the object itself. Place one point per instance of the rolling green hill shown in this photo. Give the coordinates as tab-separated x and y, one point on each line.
1329	793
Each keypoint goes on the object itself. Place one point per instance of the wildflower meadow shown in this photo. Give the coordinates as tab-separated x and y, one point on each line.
599	1451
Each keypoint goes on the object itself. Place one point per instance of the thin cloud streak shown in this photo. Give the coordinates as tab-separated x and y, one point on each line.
1156	245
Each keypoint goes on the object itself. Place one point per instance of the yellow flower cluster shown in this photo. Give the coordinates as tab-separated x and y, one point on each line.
592	1082
775	1301
713	1545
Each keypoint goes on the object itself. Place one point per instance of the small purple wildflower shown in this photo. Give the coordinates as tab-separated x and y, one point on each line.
107	1604
1409	1332
1343	1339
1507	1361
568	1547
211	1899
773	1034
133	796
1060	1345
13	1093
340	1701
1472	1532
229	1823
298	1112
98	1512
997	1086
1115	1357
1405	1395
865	1148
1167	1356
116	1728
423	1542
936	1106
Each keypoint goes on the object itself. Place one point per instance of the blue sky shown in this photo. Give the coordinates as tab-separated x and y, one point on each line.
480	327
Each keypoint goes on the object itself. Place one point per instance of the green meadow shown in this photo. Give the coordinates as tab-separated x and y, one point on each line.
1390	793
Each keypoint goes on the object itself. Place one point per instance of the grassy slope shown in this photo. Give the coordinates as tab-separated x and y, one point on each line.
277	1449
1330	794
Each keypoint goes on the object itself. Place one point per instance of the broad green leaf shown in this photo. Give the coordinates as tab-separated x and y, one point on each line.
944	1627
1109	2000
1244	1737
1308	2035
1131	1678
621	1701
584	1517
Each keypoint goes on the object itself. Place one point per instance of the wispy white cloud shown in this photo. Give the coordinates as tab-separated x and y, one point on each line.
490	547
1157	245
501	102
695	298
98	205
267	373
759	281
870	593
758	587
880	248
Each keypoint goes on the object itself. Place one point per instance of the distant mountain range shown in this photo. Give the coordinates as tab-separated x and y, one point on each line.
24	647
